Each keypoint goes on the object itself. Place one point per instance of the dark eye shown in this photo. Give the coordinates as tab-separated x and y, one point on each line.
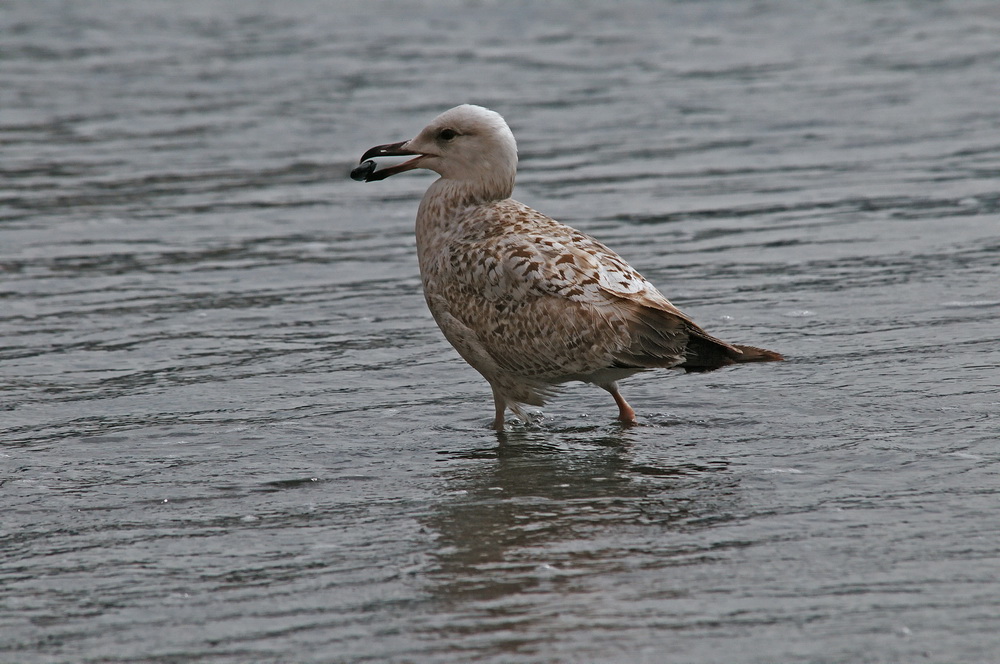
447	134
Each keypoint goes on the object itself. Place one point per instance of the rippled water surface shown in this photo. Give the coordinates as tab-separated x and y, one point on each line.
231	432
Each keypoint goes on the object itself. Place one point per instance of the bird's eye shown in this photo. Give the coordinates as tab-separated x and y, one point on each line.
447	134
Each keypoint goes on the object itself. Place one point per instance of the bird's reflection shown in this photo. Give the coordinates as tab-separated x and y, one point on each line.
552	505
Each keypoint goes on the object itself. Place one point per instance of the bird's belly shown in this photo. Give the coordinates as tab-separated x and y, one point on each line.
604	376
544	338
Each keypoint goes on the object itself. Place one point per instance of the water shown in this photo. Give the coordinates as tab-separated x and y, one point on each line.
232	433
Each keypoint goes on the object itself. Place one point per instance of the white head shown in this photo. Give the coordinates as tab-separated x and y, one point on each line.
470	146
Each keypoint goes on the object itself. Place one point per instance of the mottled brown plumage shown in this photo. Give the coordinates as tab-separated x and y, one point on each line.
528	302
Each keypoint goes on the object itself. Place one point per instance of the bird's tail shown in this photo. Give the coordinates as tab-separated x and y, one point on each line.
706	353
754	354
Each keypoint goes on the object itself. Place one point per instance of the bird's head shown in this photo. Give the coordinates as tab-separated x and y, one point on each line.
470	146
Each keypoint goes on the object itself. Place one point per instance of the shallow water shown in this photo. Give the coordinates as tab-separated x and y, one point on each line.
232	433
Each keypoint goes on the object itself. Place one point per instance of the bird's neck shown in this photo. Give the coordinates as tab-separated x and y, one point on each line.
448	206
464	193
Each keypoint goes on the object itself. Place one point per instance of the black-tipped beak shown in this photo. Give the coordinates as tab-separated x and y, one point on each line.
366	169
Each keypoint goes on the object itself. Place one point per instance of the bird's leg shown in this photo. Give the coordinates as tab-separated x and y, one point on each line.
625	412
501	409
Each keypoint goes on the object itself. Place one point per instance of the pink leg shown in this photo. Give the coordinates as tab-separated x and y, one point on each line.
625	412
501	409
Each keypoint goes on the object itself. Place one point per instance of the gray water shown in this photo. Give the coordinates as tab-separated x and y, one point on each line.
230	431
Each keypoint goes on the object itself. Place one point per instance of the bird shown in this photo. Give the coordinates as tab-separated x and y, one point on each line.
529	302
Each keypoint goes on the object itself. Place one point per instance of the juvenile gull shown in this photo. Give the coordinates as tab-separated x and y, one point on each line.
531	303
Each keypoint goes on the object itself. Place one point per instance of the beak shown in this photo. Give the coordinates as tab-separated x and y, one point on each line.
366	169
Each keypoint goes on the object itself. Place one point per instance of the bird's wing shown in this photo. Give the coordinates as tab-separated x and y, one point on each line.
575	303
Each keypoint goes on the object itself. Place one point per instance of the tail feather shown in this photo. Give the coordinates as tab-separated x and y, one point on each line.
754	354
707	354
661	336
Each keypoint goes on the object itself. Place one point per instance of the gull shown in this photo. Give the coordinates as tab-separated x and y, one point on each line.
529	302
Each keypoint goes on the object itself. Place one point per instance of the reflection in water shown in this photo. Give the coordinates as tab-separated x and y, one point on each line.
550	511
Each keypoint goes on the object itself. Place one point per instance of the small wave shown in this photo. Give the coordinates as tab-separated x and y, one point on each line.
970	304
